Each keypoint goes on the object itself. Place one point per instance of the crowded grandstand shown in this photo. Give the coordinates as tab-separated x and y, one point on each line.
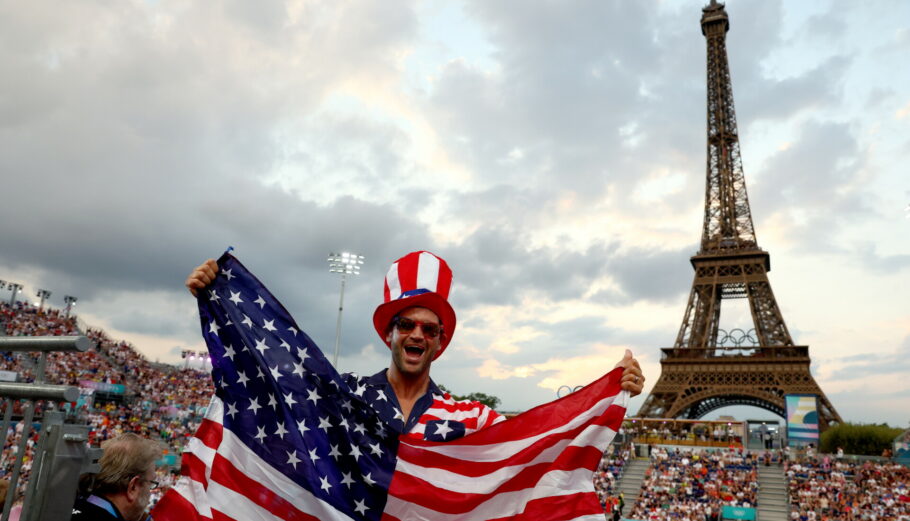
122	391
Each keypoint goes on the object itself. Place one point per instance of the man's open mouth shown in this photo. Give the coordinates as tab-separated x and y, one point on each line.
414	350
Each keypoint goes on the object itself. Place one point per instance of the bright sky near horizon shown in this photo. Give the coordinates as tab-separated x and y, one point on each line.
551	152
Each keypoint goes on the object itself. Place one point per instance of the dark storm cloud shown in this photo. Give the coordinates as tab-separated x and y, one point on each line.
564	338
133	147
754	38
821	86
494	264
653	275
497	268
822	159
147	322
595	103
575	337
560	97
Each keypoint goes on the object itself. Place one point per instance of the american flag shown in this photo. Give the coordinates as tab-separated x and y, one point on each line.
286	437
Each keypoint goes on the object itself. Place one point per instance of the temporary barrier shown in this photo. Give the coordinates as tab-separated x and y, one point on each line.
62	452
737	513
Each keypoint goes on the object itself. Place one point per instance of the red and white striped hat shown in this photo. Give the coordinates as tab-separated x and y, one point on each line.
419	279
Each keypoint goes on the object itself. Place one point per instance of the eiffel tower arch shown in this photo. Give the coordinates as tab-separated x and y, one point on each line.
708	368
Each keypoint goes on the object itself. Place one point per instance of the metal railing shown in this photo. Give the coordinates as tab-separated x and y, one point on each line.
727	354
62	451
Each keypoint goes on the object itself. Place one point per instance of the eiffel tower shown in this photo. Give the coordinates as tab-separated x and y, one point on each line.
708	368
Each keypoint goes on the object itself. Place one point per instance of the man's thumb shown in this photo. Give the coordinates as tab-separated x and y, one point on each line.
625	358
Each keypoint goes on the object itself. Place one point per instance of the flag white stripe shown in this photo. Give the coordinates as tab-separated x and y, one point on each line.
260	471
394	283
201	451
237	505
551	484
495	452
427	271
194	493
440	412
486	484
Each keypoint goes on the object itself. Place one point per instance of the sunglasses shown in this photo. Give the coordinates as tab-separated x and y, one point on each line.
406	325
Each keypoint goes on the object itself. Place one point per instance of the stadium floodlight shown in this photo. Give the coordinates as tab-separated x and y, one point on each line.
43	294
70	302
345	263
187	355
15	287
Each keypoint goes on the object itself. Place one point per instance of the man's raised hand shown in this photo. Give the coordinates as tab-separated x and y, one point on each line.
632	378
202	276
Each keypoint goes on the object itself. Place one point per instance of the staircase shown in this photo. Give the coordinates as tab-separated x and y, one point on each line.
773	504
630	484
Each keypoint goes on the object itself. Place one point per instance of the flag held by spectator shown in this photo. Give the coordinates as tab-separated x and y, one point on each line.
286	437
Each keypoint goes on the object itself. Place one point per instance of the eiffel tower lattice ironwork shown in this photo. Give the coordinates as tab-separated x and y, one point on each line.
708	368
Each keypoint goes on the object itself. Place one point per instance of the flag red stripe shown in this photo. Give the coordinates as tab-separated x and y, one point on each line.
173	506
194	468
424	493
453	407
407	276
225	473
558	508
612	417
544	417
210	433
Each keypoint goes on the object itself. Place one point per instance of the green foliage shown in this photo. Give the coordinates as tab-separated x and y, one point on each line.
487	399
860	439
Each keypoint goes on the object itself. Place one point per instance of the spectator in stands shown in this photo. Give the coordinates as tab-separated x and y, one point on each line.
874	491
692	486
122	489
14	512
608	472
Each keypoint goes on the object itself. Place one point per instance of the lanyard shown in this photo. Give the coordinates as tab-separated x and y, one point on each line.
105	504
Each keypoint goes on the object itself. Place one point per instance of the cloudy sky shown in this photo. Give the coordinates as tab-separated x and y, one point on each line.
552	152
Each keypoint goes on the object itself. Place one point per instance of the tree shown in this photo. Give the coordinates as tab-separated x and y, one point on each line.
487	399
859	439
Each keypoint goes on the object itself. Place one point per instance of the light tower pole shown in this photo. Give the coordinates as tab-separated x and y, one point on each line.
15	287
43	294
347	264
70	302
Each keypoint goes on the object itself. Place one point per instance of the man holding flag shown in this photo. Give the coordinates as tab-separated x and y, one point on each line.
369	448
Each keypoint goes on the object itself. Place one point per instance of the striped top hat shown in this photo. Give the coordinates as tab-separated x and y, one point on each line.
419	279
